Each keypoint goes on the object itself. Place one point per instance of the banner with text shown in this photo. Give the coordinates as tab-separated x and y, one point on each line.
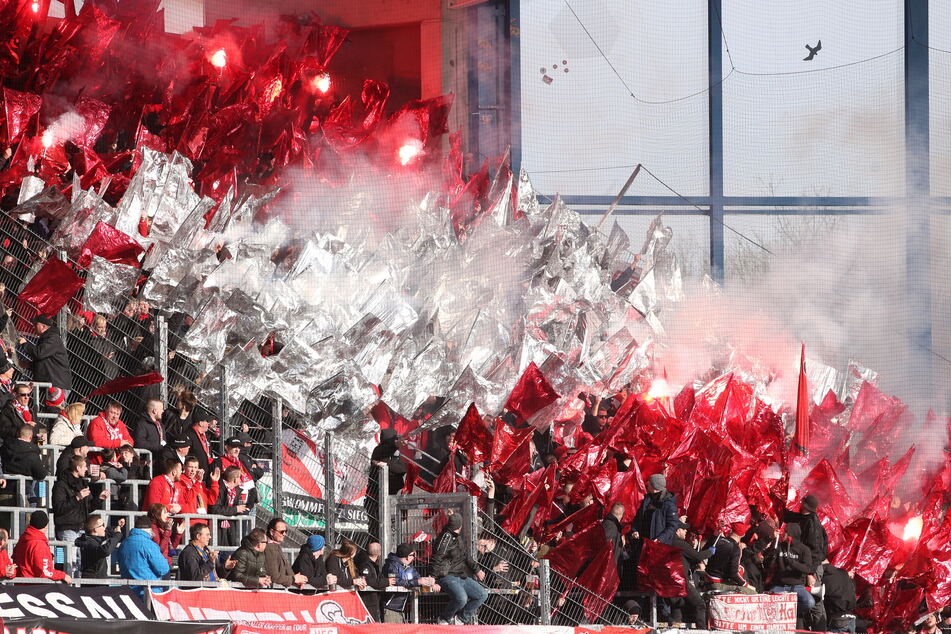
261	609
745	612
409	628
109	626
59	601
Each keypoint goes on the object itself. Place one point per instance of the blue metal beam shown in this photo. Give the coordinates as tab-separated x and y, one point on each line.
745	201
715	79
918	313
514	39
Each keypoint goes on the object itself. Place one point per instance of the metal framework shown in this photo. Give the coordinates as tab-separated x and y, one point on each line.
918	199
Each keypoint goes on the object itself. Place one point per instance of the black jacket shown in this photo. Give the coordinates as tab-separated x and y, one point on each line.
10	421
724	564
146	436
204	460
689	555
51	363
314	568
337	568
752	569
612	532
193	565
373	573
450	557
387	452
94	553
813	534
23	458
840	592
790	562
68	512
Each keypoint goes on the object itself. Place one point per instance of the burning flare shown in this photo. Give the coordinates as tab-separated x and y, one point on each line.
410	150
219	58
48	139
912	529
36	7
321	83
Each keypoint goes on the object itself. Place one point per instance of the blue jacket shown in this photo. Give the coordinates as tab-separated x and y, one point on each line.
657	518
141	558
406	576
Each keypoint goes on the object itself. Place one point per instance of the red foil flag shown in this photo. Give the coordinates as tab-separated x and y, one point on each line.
568	556
661	569
867	549
388	419
870	405
110	243
823	482
123	383
800	444
511	456
532	393
628	489
602	580
473	437
51	287
578	521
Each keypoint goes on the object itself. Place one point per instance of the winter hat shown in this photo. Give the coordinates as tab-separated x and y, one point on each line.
315	542
45	320
794	530
4	364
234	441
178	443
54	397
387	434
810	503
658	481
80	441
405	550
454	522
39	520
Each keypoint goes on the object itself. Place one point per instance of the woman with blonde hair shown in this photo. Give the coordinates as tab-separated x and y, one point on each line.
341	565
68	425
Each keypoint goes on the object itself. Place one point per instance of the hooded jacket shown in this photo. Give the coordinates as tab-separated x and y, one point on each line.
791	560
140	558
23	458
450	557
724	562
840	596
94	552
405	575
33	557
69	512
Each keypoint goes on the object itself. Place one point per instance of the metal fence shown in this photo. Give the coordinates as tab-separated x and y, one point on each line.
135	338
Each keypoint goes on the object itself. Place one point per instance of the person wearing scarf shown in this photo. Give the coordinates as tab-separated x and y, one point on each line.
197	562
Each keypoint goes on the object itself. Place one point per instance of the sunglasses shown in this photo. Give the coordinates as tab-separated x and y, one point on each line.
23	394
283	532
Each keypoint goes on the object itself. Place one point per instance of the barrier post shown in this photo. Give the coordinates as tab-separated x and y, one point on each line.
383	508
544	591
161	327
277	468
224	419
61	315
330	488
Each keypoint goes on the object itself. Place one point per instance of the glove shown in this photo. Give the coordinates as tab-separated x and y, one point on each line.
713	550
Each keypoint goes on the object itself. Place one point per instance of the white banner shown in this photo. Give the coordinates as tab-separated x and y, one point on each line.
744	612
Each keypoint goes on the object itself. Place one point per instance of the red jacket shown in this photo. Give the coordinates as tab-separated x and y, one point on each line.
33	557
195	497
161	491
102	434
4	562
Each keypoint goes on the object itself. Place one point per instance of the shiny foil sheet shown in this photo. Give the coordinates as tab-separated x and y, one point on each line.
107	283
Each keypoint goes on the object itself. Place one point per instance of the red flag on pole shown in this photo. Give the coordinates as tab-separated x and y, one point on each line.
661	570
532	393
123	383
801	438
51	287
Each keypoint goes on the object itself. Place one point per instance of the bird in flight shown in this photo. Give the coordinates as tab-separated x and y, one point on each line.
812	51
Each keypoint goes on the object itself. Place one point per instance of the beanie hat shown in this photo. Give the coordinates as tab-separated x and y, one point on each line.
387	434
45	320
658	481
315	542
54	397
405	550
39	520
810	503
454	522
4	364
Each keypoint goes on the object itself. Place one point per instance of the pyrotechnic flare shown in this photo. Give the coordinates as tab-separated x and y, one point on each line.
219	59
47	140
35	7
409	151
912	529
321	83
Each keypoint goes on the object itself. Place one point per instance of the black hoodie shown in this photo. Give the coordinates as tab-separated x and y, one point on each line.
791	560
94	552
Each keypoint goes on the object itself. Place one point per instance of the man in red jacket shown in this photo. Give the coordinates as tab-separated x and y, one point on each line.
195	497
107	430
164	489
8	569
32	553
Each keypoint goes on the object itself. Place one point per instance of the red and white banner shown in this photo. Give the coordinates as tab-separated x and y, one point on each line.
260	610
744	612
411	628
